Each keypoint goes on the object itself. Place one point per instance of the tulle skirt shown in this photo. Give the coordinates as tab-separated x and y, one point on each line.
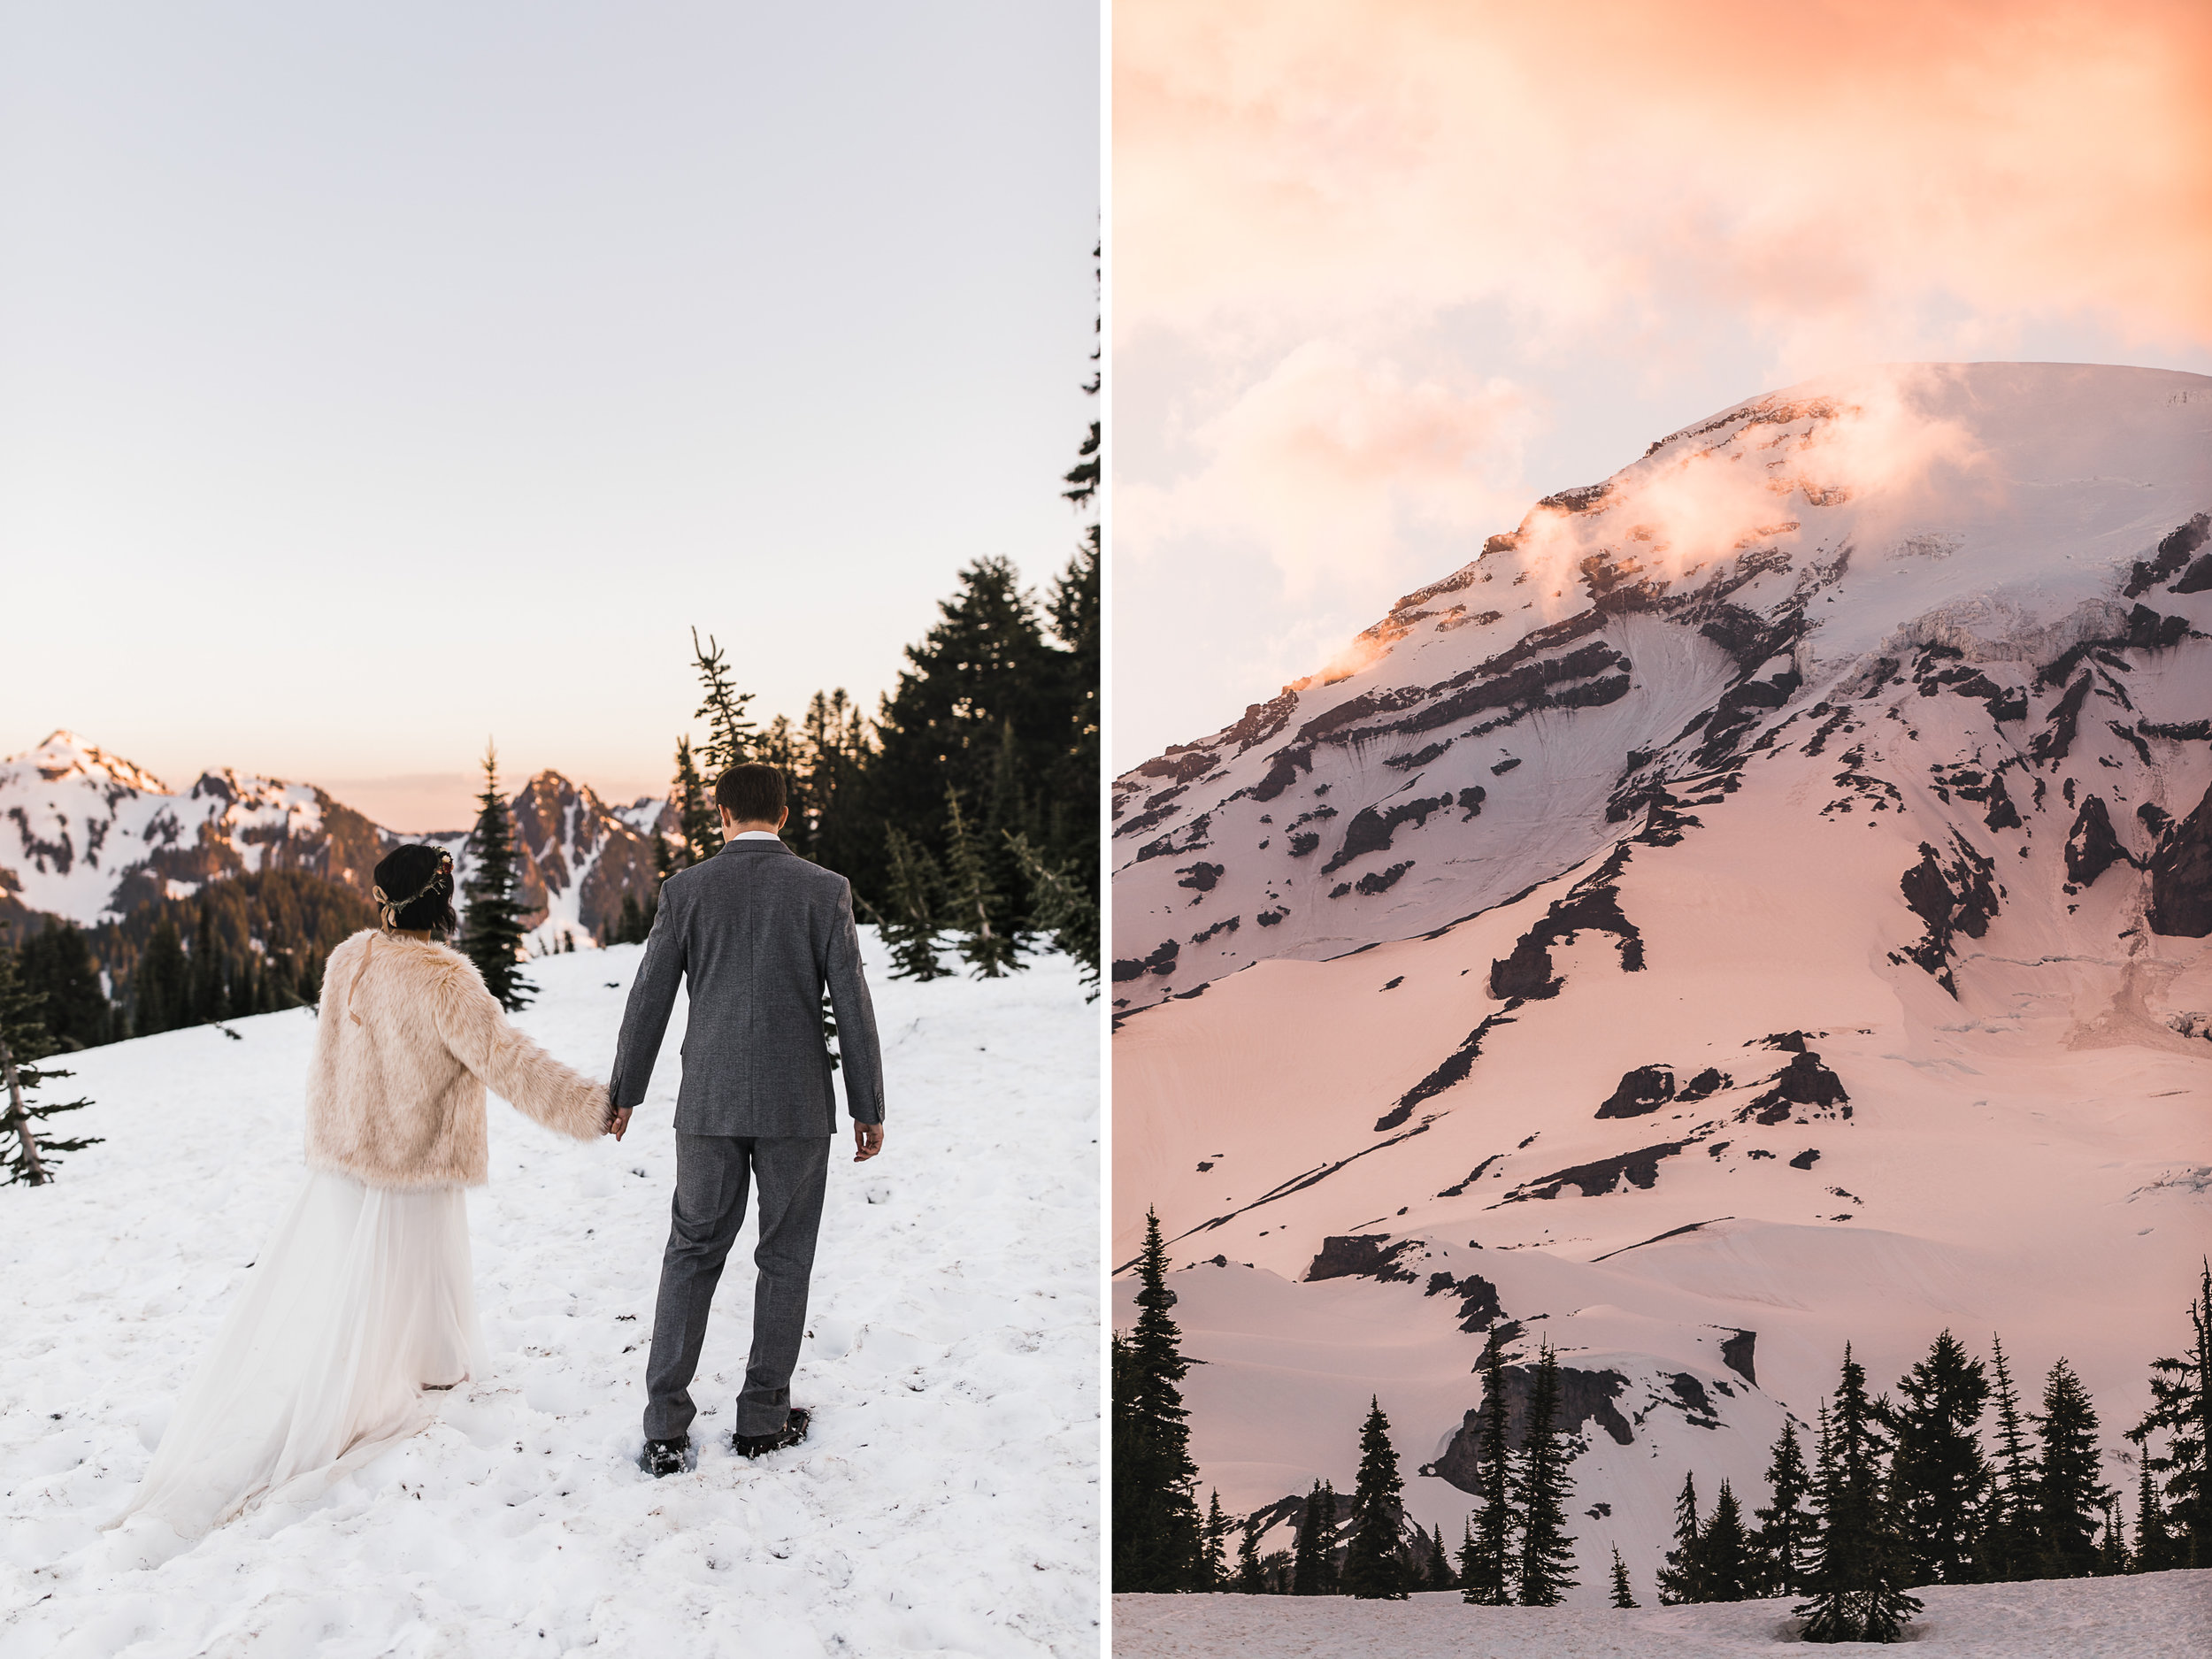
359	1300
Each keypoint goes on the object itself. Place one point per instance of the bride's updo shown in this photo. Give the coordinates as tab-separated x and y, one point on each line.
414	891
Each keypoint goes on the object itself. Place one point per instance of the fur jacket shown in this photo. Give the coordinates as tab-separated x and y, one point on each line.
406	1041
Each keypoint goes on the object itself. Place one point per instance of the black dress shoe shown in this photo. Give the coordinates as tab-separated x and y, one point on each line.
666	1457
791	1433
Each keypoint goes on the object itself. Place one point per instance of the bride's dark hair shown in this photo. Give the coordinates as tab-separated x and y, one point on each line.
414	890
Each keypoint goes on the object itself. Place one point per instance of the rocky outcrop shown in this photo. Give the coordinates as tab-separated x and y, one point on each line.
1585	1397
1644	1090
1361	1255
2181	876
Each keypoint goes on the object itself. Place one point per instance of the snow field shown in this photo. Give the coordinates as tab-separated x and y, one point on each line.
947	1500
2161	1616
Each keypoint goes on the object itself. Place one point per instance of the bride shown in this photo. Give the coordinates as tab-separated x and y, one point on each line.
360	1301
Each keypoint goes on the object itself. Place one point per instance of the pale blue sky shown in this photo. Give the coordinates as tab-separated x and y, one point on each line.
376	379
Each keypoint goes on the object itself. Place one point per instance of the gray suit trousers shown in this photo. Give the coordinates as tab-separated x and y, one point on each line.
712	1174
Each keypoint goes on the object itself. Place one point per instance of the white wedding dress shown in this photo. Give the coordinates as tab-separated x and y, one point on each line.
359	1301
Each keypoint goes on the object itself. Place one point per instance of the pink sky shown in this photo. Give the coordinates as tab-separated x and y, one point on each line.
1386	271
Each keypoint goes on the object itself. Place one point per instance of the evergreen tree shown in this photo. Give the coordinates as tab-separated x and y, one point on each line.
1858	1580
1157	1526
1540	1494
58	965
207	968
1469	1560
1682	1578
1213	1557
32	1153
729	732
1487	1580
2112	1549
2154	1550
1064	906
161	989
1623	1596
908	922
1373	1570
1251	1577
1941	1480
2008	1548
829	809
2181	1405
1437	1571
491	927
1784	1527
975	906
1727	1561
2069	1498
1313	1569
698	823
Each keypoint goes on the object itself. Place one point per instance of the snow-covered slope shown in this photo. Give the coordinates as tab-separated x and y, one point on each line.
1758	904
2161	1615
947	1500
89	836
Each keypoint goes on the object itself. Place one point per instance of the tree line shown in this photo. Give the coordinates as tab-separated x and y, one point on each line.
1899	1493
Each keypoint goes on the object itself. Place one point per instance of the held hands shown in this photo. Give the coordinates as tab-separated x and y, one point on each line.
867	1142
617	1118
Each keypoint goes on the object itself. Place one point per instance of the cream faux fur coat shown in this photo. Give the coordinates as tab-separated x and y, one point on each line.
406	1040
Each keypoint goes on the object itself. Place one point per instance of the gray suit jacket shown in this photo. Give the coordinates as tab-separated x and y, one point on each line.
759	931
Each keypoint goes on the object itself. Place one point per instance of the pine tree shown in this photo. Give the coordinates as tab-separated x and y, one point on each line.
908	921
2181	1405
32	1153
1312	1572
1623	1596
1437	1571
1064	906
1213	1557
1372	1570
1941	1478
2154	1550
2009	1549
1157	1526
975	907
161	988
698	823
2069	1496
1784	1526
1251	1577
1488	1579
491	929
1730	1567
1858	1580
2112	1548
1541	1492
58	963
1469	1562
1682	1578
729	733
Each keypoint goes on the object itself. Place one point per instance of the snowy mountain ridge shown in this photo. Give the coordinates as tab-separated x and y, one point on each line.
1759	903
89	836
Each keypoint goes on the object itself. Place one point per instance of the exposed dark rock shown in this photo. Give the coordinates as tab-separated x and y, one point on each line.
1268	918
2148	631
1585	1396
1287	762
2057	735
1505	765
1473	1176
1382	881
1949	899
1601	1176
1362	1256
1787	1041
2181	876
1806	1159
1526	974
1697	1405
1479	1307
2092	847
1469	803
1370	831
2198	577
1454	1067
1591	903
1735	1353
1804	1082
1200	876
1160	961
1645	1089
1419	757
1340	889
2173	553
1709	1082
1303	841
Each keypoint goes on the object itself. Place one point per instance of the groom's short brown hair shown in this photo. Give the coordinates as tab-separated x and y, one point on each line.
752	794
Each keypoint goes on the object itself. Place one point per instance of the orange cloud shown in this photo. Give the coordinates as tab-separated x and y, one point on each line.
1826	168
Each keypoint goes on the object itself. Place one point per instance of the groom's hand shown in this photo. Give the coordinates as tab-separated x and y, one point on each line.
618	1121
867	1142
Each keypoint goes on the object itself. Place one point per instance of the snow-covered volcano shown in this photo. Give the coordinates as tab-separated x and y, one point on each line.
1759	902
89	836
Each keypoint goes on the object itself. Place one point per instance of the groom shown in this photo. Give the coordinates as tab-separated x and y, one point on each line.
758	932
